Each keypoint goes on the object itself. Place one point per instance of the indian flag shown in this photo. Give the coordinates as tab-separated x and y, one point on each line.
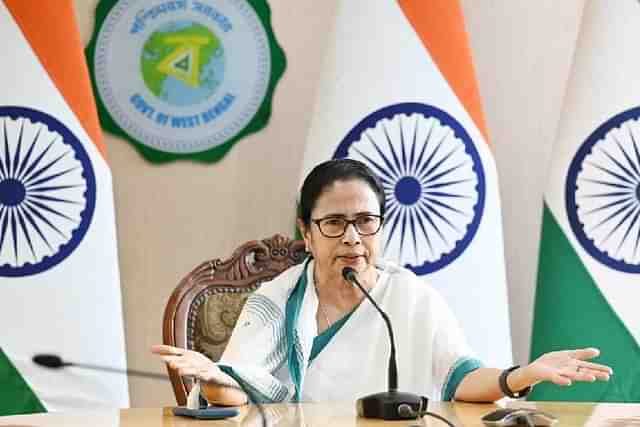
59	279
589	273
398	92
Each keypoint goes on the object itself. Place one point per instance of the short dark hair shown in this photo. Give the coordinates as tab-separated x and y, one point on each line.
325	174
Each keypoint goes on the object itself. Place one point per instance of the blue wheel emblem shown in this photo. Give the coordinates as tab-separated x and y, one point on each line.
47	191
433	181
603	193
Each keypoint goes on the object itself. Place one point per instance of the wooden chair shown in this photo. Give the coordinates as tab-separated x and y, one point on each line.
205	306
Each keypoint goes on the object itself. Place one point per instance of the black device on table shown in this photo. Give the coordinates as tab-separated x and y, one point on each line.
209	413
508	417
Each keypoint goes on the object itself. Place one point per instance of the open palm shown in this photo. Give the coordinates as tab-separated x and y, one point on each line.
188	362
564	367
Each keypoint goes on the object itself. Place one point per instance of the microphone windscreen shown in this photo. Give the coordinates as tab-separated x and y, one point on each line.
349	274
48	360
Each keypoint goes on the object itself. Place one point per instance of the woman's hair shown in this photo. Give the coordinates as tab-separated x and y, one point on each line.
325	174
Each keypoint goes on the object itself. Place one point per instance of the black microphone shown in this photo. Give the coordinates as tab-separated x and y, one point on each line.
349	275
55	362
392	404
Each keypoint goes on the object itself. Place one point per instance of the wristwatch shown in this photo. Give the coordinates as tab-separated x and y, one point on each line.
504	387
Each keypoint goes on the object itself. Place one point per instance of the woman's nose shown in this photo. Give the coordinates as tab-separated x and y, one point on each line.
351	236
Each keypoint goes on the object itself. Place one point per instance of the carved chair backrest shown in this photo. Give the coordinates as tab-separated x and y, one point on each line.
204	307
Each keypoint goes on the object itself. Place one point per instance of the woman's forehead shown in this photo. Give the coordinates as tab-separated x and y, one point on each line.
346	197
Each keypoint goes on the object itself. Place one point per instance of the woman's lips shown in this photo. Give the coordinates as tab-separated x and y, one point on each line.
350	258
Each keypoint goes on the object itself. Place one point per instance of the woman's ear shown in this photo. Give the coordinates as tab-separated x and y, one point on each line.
302	228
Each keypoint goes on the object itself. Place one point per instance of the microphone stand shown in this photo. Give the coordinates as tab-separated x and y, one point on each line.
390	404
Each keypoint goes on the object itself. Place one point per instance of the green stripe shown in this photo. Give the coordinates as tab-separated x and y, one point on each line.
571	312
294	350
458	371
16	397
321	341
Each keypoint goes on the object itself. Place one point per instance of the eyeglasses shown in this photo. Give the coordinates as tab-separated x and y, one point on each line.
336	226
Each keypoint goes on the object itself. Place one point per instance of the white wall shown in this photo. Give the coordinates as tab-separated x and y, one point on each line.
171	217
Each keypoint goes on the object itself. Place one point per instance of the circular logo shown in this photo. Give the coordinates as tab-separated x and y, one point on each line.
603	193
432	177
47	191
182	76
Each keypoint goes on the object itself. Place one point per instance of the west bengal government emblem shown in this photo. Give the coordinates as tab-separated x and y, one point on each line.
184	78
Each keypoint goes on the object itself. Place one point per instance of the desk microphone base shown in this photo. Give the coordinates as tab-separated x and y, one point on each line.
391	405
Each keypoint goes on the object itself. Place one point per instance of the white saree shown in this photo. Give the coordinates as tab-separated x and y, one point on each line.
269	349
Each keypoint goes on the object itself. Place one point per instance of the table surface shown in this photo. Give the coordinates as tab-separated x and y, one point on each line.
335	414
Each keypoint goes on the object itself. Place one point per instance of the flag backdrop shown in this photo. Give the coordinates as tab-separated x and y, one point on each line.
589	271
59	279
398	92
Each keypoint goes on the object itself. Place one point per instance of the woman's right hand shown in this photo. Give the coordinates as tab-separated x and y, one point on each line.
216	386
189	363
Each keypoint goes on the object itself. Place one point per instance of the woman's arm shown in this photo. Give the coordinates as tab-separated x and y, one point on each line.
480	385
558	367
215	386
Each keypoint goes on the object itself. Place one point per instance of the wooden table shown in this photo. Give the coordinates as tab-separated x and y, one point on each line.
333	414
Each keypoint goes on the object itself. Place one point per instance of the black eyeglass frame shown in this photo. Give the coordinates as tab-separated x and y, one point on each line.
348	222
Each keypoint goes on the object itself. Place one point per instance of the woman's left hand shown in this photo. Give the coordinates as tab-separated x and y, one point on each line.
189	363
564	367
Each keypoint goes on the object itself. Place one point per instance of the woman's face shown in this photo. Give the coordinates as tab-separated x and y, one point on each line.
347	199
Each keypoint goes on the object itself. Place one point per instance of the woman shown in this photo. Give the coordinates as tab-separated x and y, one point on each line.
307	337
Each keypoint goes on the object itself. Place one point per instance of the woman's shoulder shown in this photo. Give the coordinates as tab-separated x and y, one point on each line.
279	288
404	280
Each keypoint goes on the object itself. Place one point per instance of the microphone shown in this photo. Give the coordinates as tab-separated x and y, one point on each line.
53	361
349	275
392	404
